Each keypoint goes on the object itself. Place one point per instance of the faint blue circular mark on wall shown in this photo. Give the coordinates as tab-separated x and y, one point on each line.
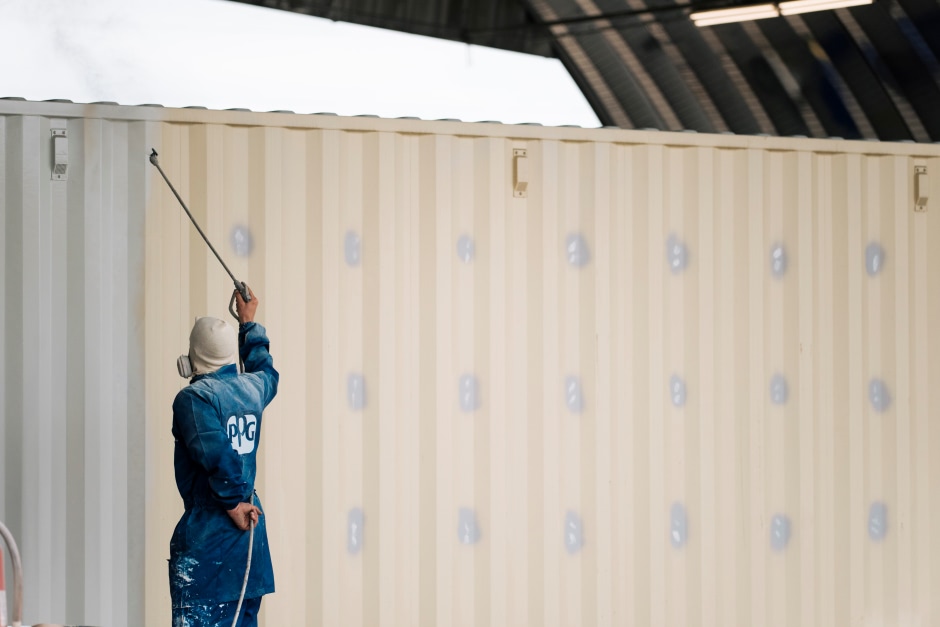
354	531
574	397
874	258
356	391
352	247
879	395
468	529
469	392
877	521
677	254
778	261
779	391
242	242
466	248
678	526
779	532
677	390
577	251
574	533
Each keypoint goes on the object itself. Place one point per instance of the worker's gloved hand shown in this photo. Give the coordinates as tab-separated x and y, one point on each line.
246	311
244	514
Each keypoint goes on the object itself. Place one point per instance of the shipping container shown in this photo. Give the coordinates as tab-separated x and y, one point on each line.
529	375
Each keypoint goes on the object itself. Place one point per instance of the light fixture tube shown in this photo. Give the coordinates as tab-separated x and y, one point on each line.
735	14
805	6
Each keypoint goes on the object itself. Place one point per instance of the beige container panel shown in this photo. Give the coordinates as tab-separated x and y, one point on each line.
415	312
571	509
551	501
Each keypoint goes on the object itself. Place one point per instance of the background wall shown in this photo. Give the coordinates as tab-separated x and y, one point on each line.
686	381
71	340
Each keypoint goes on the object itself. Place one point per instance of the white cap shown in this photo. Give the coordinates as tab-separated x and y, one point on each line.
212	344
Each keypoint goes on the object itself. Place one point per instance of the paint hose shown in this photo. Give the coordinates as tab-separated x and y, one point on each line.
251	541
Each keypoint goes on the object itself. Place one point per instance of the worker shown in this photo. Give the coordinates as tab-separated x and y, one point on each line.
217	426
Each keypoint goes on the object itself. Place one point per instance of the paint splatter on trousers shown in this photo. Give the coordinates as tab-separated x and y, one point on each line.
219	615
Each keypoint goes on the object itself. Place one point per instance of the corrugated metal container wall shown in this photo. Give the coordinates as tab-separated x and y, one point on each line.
71	377
686	381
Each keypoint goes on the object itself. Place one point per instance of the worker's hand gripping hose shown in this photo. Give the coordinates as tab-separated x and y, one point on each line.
251	541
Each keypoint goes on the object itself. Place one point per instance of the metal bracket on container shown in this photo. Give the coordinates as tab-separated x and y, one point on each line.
520	173
60	154
921	188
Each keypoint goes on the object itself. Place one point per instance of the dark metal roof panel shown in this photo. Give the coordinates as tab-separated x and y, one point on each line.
839	48
867	72
494	23
777	102
924	17
815	86
718	84
906	68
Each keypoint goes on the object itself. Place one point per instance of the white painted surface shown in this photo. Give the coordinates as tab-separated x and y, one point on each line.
68	381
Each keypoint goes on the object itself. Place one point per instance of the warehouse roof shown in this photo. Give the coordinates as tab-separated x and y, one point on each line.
866	72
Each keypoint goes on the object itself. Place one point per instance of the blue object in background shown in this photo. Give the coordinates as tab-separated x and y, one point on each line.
779	532
779	391
678	526
356	391
574	397
677	390
577	250
874	258
469	393
468	529
677	254
878	521
354	531
242	242
466	249
352	248
879	395
778	261
574	533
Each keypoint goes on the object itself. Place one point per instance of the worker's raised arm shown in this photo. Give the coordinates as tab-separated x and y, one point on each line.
253	346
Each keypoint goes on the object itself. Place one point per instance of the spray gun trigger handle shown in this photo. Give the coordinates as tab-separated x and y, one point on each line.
246	296
243	290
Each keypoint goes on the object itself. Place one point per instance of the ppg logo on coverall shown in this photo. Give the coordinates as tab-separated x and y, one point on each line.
242	431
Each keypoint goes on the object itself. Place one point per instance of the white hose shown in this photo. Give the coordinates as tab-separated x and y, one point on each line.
251	541
251	523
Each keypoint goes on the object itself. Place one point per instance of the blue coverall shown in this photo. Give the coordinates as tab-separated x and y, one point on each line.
217	427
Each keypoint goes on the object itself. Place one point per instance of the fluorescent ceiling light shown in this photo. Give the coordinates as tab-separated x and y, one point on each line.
805	6
738	14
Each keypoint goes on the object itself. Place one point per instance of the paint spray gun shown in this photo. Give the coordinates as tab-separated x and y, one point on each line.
183	365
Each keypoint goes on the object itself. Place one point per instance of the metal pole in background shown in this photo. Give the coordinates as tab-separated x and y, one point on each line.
17	575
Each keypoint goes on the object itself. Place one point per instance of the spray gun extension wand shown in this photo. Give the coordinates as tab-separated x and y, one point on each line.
239	285
246	296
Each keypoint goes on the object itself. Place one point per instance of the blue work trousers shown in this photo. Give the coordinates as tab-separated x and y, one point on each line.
218	615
